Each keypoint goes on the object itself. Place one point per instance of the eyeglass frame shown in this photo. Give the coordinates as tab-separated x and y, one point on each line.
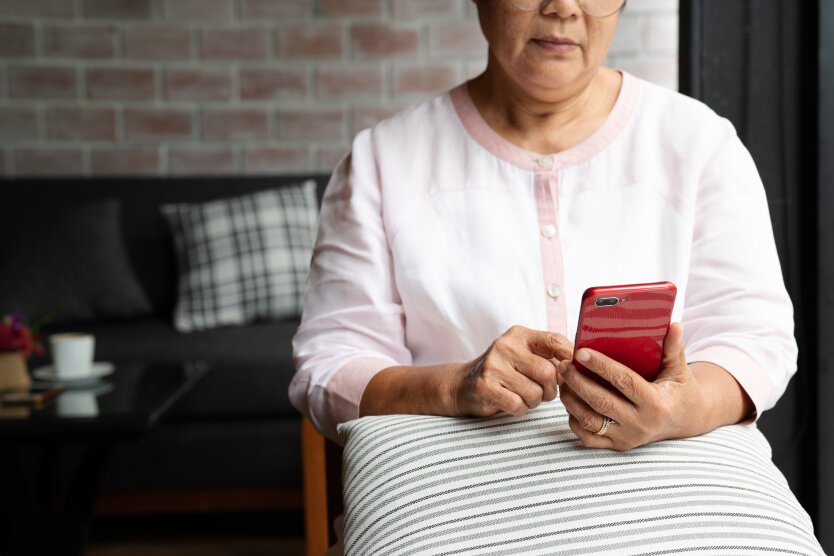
544	4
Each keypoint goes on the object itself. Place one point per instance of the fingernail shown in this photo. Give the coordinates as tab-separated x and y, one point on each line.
583	355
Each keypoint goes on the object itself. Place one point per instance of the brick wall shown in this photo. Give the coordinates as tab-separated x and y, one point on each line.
212	87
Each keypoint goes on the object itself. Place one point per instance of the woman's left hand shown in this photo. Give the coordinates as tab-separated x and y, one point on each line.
682	401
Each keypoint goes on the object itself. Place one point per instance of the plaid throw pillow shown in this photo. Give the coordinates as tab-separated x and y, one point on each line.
243	259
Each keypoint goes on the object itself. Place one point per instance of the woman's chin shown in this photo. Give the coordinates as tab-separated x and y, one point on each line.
550	76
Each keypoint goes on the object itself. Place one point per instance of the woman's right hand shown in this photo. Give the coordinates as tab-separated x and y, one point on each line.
515	374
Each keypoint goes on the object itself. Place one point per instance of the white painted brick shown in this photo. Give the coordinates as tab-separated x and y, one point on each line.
662	70
285	76
629	35
652	6
662	33
475	67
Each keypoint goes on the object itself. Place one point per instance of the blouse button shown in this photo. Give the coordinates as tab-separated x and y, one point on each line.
554	290
545	161
549	231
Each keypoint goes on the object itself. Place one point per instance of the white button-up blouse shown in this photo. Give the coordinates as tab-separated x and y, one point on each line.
437	235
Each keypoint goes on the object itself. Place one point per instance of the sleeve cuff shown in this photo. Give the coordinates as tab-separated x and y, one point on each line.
744	369
345	388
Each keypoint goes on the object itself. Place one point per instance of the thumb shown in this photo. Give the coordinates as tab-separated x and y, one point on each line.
550	345
673	363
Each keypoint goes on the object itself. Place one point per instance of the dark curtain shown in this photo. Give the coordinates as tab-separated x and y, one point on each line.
761	64
825	211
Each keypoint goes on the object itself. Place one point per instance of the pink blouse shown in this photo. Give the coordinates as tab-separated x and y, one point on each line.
437	235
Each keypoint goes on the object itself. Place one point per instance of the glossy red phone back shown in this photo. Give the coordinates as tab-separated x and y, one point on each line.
630	330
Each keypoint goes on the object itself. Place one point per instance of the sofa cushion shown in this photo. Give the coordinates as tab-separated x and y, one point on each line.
146	234
251	366
426	485
243	259
68	261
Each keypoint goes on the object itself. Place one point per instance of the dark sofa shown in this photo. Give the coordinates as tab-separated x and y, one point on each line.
236	431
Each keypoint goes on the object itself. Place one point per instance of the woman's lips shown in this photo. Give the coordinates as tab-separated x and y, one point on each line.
556	45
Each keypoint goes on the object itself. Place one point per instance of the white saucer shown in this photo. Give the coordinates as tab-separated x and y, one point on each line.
97	371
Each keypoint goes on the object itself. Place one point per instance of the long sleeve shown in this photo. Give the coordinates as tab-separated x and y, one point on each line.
737	312
352	326
436	235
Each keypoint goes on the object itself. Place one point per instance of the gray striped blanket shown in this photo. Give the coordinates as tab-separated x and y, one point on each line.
506	485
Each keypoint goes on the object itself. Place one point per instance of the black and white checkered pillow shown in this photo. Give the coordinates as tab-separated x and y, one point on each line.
243	259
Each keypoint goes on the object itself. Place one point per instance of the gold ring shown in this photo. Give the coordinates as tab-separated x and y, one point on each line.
606	422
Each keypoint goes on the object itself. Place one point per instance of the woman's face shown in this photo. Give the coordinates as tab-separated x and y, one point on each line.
557	47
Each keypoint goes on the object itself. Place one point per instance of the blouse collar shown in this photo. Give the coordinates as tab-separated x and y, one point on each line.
488	138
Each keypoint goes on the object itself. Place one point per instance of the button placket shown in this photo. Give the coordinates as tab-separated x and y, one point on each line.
546	183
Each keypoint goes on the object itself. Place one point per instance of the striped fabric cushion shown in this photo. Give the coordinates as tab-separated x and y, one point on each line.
505	485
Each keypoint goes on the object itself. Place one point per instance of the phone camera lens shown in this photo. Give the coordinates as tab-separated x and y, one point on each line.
606	301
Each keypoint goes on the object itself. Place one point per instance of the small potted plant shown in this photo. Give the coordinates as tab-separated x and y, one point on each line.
18	341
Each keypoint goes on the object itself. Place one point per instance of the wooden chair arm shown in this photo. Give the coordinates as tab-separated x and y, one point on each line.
322	471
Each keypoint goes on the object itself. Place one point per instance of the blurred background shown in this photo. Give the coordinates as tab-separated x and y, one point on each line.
218	87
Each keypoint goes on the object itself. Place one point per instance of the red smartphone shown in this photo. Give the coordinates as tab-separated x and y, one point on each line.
626	323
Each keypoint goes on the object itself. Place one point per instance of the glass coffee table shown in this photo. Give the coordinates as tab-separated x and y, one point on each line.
46	510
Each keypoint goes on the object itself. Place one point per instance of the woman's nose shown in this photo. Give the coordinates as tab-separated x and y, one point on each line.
562	8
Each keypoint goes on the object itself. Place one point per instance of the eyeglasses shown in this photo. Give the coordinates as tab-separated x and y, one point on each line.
594	8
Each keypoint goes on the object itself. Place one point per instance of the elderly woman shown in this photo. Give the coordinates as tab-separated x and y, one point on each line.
457	237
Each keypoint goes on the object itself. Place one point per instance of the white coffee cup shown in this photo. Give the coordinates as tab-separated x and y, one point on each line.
72	354
74	403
